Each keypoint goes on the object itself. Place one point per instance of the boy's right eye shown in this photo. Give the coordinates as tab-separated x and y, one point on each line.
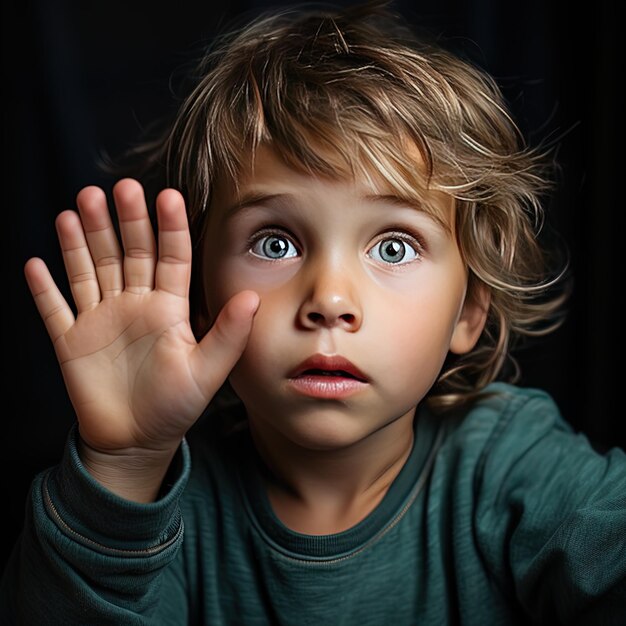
273	246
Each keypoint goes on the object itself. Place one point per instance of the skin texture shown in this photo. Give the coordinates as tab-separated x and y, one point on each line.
333	293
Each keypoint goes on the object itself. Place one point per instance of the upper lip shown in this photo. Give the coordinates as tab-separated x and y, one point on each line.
334	363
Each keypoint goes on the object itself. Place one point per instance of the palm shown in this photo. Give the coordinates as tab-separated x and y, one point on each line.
138	345
133	370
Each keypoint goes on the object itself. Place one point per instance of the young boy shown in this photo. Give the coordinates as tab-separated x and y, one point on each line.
364	244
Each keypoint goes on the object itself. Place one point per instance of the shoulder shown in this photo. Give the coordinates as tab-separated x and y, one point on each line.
521	441
518	437
505	406
548	510
504	417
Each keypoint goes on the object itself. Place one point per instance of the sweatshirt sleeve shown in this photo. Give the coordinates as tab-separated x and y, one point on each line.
87	556
551	516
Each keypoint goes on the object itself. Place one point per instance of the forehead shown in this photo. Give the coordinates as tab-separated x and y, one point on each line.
268	174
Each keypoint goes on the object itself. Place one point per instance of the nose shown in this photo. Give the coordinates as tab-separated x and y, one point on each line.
331	301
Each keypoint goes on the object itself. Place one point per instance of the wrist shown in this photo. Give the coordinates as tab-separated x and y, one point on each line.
133	474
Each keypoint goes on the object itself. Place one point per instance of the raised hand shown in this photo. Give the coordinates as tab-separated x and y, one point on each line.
134	372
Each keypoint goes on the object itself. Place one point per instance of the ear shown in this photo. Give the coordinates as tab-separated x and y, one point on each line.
472	319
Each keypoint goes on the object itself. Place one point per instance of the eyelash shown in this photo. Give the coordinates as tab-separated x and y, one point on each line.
268	231
405	234
395	232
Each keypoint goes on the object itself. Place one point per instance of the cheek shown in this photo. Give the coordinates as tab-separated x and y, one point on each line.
426	332
264	358
413	358
226	277
414	328
271	337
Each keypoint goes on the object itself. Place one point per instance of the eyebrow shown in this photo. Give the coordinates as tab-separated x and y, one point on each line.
412	203
251	199
257	198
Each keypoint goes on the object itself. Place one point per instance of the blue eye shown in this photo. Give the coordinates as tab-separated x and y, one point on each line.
393	250
273	247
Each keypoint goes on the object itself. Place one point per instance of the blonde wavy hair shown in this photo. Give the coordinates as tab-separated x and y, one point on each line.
341	92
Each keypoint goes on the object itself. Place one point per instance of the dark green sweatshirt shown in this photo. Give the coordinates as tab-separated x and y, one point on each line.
501	516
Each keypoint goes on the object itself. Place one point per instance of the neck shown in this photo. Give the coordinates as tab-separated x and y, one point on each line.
327	491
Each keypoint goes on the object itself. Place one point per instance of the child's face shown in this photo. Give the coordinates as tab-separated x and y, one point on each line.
343	271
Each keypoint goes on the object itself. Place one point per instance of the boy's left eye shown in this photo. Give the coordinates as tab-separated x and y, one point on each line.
393	250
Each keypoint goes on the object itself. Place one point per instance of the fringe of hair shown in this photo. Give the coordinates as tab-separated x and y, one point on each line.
353	92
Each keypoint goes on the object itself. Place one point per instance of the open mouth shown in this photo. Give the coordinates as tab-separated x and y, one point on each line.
328	383
325	369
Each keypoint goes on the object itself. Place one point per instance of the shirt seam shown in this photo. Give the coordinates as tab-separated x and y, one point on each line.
325	561
86	541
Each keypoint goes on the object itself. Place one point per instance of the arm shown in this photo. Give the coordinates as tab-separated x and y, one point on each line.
87	556
137	380
552	517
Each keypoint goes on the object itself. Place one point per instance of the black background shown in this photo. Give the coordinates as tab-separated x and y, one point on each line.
81	77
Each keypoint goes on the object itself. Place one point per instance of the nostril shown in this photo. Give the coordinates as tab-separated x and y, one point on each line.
319	319
315	317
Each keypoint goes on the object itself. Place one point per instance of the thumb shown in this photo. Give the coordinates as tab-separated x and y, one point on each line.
219	350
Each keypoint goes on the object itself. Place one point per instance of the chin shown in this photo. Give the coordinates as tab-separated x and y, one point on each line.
324	431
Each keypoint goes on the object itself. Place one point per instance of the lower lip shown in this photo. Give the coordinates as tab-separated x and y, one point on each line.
328	387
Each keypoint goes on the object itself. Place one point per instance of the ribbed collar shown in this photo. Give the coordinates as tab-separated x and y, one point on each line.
398	498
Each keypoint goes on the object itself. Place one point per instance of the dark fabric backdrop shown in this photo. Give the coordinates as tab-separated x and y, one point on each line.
79	77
